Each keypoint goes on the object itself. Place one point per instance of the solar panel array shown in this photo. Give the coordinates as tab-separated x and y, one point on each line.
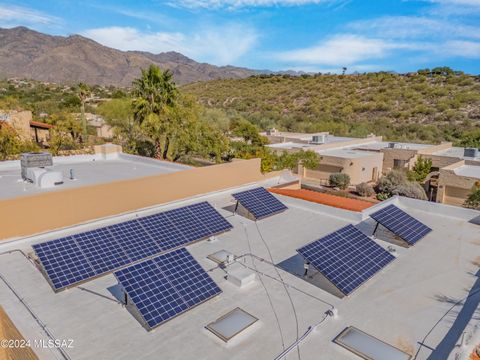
400	223
346	257
76	258
166	286
259	202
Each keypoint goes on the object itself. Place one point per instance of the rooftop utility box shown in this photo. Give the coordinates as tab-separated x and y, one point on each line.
34	160
471	152
240	275
319	139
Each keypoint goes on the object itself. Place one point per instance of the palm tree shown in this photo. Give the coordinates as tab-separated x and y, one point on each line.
155	96
83	92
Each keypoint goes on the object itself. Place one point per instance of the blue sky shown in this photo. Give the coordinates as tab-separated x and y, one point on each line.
310	35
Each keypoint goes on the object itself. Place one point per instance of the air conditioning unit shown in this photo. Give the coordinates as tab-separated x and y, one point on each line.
391	145
44	178
319	139
471	152
34	160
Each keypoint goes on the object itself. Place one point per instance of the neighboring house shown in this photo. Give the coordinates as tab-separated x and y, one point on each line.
25	127
103	130
456	182
365	159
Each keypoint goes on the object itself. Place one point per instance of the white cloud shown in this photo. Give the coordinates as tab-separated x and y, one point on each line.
217	45
340	50
465	49
235	4
395	27
11	15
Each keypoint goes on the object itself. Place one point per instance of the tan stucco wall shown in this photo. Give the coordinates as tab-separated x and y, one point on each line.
20	121
359	169
8	331
401	154
56	209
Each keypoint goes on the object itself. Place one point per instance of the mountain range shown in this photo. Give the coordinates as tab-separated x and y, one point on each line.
29	54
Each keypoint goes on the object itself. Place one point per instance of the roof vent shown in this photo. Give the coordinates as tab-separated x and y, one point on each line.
471	152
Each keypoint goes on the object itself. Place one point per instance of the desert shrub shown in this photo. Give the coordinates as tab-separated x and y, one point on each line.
412	190
473	200
339	180
392	180
364	189
397	183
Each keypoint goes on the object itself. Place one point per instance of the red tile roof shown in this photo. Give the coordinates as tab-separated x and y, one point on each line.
325	199
40	125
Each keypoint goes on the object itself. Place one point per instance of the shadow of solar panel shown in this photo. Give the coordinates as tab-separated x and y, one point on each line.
400	223
347	258
166	286
134	240
63	262
102	250
259	202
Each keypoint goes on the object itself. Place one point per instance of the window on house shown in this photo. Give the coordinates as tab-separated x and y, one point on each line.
399	164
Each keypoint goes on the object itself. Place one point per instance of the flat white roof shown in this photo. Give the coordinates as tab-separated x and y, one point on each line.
347	153
407	303
472	171
378	145
87	169
290	145
329	139
457	152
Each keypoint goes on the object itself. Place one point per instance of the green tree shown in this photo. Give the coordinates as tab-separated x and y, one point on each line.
65	133
421	169
471	139
9	141
155	96
248	131
83	93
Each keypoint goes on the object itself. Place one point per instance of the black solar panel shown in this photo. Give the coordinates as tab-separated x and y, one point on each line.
134	240
64	262
101	250
259	202
346	257
166	286
73	259
163	231
400	223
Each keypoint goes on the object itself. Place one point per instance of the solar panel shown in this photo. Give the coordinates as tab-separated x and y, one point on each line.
134	240
101	250
76	258
166	286
400	223
63	261
259	202
163	231
346	257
